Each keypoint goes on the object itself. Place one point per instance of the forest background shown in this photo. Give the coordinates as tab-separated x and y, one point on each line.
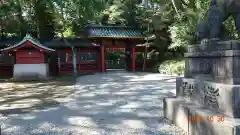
170	23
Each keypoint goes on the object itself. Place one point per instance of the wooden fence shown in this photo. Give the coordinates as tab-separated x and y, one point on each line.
115	64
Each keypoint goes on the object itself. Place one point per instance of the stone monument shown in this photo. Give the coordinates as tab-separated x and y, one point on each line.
208	96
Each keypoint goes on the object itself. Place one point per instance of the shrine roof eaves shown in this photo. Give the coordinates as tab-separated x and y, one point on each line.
30	39
76	42
54	43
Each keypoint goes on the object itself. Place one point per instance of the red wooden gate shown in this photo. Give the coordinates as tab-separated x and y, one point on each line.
88	60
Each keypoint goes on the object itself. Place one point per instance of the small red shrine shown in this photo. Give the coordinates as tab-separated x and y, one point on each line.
30	59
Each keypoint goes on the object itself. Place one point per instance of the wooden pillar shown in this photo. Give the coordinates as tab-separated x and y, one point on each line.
59	63
133	59
79	60
103	58
128	58
74	61
99	59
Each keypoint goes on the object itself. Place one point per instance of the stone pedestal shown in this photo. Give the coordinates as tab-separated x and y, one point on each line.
209	90
24	72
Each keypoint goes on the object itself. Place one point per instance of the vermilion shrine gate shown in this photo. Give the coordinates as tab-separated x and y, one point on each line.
29	57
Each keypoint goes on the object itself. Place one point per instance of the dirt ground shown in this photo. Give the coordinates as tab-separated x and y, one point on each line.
24	97
111	103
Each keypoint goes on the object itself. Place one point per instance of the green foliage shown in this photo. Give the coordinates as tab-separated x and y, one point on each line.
122	12
230	28
191	13
178	34
181	31
114	55
172	67
171	22
48	18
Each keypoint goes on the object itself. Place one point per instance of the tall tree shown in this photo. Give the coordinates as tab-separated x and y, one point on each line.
44	19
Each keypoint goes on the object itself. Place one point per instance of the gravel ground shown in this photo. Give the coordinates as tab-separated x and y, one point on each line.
113	103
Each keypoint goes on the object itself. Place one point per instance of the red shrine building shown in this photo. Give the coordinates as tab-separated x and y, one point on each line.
30	57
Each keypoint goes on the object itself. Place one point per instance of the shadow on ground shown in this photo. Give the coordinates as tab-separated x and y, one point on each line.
24	97
109	103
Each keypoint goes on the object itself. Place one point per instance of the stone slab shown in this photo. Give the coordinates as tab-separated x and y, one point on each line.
235	44
219	59
176	110
218	97
221	69
219	46
224	53
215	46
169	106
230	80
181	114
30	72
212	123
185	87
179	82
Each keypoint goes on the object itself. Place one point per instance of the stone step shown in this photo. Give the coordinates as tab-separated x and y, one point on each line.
197	120
176	110
168	105
212	123
222	98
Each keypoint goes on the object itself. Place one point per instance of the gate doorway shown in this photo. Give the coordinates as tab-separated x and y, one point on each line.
115	58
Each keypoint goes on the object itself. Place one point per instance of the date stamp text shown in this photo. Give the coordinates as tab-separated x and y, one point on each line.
199	118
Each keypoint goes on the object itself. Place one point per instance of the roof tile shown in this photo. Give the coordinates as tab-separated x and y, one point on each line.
114	32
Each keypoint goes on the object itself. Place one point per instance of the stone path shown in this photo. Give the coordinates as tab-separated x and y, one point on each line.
113	103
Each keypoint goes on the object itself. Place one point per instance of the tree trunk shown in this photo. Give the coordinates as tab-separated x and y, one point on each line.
21	20
74	61
145	51
68	44
145	58
2	30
